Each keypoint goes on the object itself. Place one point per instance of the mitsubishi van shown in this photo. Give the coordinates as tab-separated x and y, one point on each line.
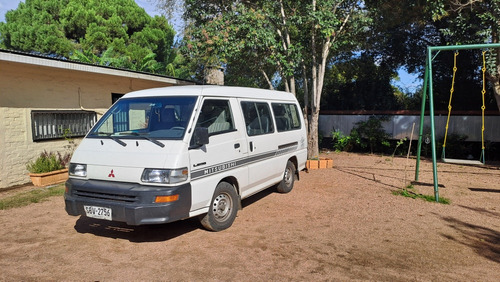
167	154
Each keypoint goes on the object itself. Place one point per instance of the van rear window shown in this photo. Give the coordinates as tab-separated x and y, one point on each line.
286	116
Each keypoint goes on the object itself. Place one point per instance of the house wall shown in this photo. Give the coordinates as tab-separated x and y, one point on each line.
26	87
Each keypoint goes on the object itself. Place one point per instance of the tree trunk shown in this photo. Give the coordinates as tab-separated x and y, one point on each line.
306	98
312	138
313	141
496	92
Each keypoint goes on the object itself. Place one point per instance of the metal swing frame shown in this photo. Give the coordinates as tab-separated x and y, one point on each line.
427	90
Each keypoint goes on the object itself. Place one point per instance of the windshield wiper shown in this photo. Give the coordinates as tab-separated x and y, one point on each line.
148	138
110	137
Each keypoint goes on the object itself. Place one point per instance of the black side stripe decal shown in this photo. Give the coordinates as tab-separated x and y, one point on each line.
288	145
222	167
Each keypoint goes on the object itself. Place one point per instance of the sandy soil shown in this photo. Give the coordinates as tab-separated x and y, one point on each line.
336	224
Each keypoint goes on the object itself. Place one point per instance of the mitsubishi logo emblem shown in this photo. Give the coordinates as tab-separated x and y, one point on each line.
111	174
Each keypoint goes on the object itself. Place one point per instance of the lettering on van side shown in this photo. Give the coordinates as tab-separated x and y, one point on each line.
218	168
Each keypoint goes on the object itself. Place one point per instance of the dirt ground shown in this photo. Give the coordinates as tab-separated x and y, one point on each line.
336	224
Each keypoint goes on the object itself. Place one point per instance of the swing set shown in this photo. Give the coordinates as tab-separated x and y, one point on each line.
443	154
428	91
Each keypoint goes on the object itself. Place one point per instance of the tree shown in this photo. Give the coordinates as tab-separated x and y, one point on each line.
293	41
405	28
359	83
116	33
472	22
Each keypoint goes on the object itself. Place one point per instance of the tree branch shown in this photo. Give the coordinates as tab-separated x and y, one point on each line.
458	5
267	79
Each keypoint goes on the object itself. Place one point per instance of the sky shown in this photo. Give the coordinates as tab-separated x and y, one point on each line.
408	82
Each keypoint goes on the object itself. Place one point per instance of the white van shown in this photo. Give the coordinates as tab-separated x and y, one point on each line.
166	154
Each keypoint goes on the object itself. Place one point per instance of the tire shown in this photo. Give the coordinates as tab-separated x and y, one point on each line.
286	183
223	208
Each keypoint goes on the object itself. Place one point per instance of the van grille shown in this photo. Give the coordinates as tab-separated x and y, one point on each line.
106	196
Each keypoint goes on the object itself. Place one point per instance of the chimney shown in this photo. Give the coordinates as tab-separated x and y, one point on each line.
214	75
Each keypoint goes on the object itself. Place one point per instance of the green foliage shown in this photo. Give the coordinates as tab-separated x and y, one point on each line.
48	162
399	143
403	28
115	33
258	37
358	82
372	133
409	192
33	196
342	142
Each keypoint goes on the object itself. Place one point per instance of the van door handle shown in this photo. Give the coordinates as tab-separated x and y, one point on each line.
251	146
237	145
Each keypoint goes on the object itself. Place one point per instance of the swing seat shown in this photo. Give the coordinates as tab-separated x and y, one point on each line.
459	161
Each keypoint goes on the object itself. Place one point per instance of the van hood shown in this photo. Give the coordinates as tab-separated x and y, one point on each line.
137	153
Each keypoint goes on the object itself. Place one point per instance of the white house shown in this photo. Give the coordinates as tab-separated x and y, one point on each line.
43	100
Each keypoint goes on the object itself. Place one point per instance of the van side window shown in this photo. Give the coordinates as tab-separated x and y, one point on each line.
286	116
216	116
257	118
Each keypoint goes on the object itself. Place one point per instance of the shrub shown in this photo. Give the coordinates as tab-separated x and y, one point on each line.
372	134
343	142
48	162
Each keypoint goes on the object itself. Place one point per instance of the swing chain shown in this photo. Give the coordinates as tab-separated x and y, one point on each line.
483	107
452	89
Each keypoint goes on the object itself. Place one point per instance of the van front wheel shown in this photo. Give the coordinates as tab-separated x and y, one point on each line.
286	183
223	208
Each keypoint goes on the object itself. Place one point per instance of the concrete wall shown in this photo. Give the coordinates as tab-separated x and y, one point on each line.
400	126
25	87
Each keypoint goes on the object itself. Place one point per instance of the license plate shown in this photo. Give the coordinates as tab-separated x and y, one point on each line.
98	212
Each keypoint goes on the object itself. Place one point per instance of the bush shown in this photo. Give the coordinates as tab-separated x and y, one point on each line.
372	134
48	162
342	142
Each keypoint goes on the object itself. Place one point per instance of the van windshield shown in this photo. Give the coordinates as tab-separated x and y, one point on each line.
149	117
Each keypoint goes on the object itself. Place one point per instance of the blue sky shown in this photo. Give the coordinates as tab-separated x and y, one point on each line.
408	82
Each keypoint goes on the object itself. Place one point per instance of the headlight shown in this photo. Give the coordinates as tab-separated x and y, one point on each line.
164	176
78	170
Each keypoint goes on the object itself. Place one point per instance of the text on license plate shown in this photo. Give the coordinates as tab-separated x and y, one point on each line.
98	212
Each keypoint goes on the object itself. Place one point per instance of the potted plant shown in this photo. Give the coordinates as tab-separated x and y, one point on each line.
319	163
49	168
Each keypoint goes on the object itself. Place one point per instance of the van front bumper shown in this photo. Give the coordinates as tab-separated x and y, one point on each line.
129	202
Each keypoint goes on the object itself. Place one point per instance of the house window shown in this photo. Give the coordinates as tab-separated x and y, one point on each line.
47	125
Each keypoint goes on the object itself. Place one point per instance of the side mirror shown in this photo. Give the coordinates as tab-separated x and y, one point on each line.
200	137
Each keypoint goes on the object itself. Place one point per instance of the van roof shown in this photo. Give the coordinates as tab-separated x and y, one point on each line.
213	90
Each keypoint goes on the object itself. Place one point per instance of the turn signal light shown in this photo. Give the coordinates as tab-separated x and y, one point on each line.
166	199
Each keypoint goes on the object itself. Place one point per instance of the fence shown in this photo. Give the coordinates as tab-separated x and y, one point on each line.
400	126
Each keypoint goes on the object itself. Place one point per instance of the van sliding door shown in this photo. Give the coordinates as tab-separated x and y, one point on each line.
264	167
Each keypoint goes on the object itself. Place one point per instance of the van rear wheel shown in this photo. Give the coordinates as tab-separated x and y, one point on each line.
223	208
286	183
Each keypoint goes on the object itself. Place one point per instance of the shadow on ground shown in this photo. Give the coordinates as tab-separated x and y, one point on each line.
150	233
484	241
